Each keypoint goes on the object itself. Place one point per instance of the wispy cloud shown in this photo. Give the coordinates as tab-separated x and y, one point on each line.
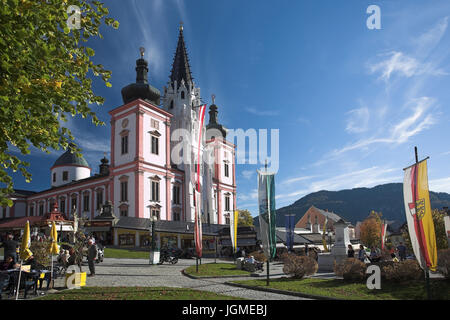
358	120
259	112
400	132
368	177
297	179
440	185
303	120
248	174
415	63
253	195
427	41
396	62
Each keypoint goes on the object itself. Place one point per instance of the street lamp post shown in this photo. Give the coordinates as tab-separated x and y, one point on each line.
153	256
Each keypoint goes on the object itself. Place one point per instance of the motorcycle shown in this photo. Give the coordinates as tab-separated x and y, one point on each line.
167	256
100	253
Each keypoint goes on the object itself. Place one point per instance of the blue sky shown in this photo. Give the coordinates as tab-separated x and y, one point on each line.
350	103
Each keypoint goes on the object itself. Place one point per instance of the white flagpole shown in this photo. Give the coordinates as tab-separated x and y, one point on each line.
18	282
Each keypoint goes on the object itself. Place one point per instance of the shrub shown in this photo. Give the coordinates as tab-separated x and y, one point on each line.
443	264
299	266
259	256
386	255
350	269
402	271
41	252
285	256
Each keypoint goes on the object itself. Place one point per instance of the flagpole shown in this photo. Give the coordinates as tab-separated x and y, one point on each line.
18	282
268	213
421	244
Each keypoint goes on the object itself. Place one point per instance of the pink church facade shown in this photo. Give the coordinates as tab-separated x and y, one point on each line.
141	181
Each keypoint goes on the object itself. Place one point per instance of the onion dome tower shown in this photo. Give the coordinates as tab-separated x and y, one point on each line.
213	123
69	167
141	89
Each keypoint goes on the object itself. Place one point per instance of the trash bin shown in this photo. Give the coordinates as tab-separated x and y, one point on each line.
239	263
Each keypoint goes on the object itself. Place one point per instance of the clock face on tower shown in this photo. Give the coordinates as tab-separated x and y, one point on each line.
124	123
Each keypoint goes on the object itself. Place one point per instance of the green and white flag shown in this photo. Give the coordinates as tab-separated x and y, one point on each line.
267	217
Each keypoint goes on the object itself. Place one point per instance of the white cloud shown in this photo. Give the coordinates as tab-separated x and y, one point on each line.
403	65
259	112
368	177
358	120
253	195
397	62
247	174
419	120
440	185
427	41
297	179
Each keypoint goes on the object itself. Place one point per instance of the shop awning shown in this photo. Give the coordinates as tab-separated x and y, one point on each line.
240	242
65	227
97	229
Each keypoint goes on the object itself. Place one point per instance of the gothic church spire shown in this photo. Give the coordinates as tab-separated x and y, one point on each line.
180	67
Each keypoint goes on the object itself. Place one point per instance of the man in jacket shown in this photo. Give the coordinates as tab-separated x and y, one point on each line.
10	247
92	256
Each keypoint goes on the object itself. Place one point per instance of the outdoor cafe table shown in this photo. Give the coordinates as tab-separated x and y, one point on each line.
34	275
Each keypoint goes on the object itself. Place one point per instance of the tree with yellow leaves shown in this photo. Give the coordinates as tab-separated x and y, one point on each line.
371	230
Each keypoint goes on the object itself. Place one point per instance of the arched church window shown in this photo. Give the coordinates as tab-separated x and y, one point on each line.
182	94
171	104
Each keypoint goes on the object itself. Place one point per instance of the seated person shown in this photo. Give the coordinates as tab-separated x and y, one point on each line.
34	265
8	264
251	259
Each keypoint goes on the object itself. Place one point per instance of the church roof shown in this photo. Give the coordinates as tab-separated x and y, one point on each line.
180	67
70	159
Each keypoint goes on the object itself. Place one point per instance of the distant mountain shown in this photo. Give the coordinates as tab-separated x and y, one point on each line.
355	204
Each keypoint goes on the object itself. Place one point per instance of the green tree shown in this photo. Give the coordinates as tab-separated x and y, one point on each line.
45	76
245	218
371	230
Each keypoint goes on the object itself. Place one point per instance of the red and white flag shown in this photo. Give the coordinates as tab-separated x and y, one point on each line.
383	233
197	195
198	224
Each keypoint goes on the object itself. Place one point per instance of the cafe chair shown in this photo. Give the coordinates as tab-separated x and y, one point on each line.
4	283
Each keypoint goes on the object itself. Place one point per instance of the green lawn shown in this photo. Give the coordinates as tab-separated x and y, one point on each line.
135	293
337	288
126	254
215	270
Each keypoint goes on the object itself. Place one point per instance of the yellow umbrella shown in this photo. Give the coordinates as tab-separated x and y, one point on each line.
54	249
25	252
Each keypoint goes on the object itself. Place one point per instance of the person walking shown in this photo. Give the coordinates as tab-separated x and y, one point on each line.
401	251
92	256
10	247
350	251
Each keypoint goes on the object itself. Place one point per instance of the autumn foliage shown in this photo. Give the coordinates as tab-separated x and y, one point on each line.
371	230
